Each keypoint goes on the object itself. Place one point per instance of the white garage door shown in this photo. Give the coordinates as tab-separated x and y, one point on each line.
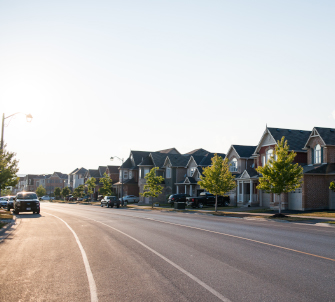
295	200
266	198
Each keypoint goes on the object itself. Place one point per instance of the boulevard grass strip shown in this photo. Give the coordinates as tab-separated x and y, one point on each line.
5	218
325	214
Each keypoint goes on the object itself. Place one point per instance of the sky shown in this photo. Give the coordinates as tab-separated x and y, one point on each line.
101	78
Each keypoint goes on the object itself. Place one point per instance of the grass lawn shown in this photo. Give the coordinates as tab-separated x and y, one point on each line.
326	214
5	215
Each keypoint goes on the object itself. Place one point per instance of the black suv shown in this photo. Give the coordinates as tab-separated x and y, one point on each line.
26	202
110	201
181	197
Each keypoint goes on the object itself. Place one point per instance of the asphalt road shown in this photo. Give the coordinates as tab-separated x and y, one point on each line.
88	253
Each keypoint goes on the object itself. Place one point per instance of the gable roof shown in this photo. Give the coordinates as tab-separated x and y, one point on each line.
81	171
244	151
93	173
113	169
199	151
327	135
171	150
296	139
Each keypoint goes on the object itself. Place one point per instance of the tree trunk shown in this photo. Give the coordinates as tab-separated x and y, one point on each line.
279	203
152	202
216	203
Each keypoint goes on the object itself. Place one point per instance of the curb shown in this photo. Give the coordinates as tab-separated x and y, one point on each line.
7	229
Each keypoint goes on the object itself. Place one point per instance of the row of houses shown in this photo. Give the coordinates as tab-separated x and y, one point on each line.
77	177
315	151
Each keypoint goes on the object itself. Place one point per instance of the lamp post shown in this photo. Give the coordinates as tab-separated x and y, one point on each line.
112	158
28	116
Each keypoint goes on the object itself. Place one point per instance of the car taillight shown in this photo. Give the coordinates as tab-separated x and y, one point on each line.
193	199
172	198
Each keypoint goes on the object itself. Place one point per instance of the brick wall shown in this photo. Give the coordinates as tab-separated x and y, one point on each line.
329	154
315	193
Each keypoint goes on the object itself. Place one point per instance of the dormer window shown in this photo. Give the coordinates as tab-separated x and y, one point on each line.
317	154
269	154
233	165
168	172
192	170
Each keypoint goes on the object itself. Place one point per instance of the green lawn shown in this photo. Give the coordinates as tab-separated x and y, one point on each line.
326	214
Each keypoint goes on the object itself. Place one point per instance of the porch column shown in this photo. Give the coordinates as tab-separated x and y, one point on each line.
191	190
185	189
242	191
177	189
238	192
251	191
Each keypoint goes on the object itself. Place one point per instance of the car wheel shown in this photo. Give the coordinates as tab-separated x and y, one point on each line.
101	205
107	205
200	205
16	212
8	209
37	212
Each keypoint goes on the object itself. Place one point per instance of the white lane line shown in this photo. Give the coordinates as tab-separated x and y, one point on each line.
91	282
210	289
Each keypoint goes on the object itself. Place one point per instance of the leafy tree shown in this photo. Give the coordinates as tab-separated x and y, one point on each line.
66	191
153	186
90	183
106	189
6	192
41	191
57	192
217	178
79	191
8	169
279	175
332	186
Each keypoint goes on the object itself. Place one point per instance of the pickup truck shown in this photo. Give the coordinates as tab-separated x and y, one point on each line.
207	199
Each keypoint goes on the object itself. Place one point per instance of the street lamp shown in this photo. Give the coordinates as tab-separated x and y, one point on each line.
112	158
28	117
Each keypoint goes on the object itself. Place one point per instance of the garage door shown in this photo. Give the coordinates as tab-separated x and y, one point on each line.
266	198
331	200
295	200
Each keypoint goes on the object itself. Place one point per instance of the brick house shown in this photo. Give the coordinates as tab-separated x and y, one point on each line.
319	171
55	180
247	181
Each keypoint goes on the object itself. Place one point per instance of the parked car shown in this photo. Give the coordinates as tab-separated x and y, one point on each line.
129	198
181	197
46	197
110	201
3	202
100	197
207	199
10	201
26	202
72	198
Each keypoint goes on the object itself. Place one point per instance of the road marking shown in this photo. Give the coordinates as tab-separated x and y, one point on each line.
238	237
91	282
210	289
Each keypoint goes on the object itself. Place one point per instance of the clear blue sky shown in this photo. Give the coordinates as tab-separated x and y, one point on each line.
103	77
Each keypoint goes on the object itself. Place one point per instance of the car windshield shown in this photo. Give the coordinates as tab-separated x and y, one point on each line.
26	196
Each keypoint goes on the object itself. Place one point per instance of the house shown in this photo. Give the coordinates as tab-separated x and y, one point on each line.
55	180
319	171
240	159
247	181
154	159
78	177
188	183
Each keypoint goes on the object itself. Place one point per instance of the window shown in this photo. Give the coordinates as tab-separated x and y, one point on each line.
192	170
146	171
317	154
168	172
269	154
263	160
130	174
233	165
125	174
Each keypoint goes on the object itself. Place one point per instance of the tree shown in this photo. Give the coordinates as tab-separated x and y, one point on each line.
41	191
6	191
57	192
90	183
217	178
66	191
106	189
79	191
153	187
8	169
280	175
332	186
